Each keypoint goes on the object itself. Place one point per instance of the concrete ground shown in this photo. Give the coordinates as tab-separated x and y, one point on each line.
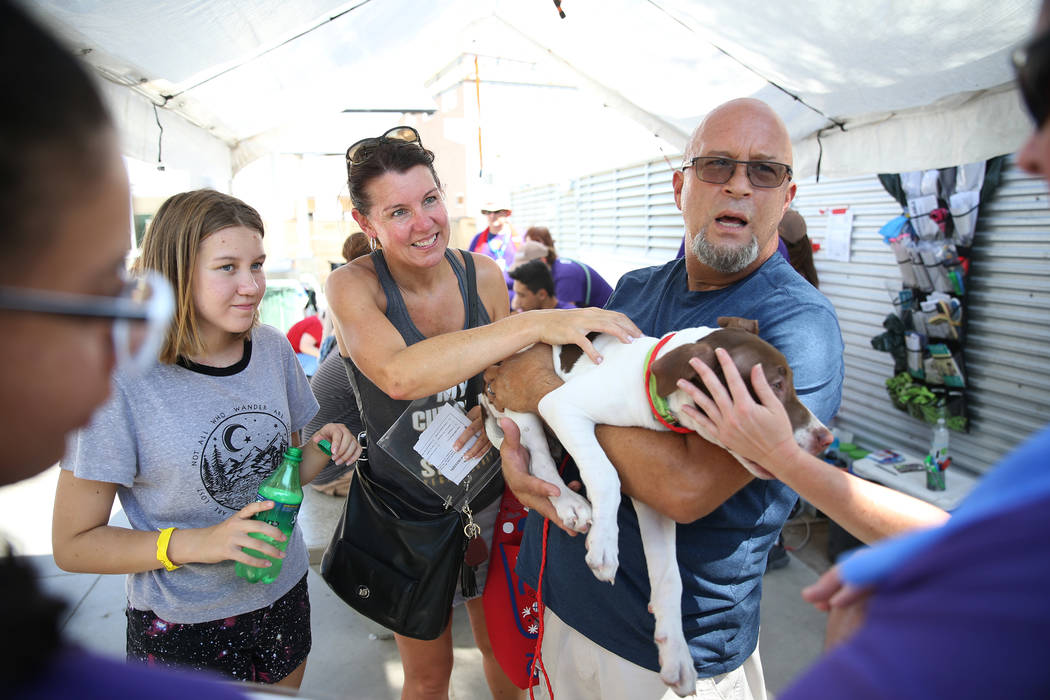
353	657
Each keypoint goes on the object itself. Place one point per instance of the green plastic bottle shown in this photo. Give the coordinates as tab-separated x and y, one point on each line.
286	491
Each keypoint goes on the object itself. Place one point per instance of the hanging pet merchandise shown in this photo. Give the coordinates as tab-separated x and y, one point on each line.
931	242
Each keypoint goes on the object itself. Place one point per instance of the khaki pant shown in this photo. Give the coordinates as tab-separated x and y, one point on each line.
579	669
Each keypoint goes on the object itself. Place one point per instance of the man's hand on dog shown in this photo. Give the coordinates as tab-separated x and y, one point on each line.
521	380
533	493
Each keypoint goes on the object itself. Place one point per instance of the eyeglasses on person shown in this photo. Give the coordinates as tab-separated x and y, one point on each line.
140	313
1032	67
494	212
718	170
359	150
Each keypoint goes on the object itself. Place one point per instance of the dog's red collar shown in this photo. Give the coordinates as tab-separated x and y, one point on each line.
657	404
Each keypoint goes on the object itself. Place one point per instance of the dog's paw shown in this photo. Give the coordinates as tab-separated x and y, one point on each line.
676	663
491	421
573	510
603	554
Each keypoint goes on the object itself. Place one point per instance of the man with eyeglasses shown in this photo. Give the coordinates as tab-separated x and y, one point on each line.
733	188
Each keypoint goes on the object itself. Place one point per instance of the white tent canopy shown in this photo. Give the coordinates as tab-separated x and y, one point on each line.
886	86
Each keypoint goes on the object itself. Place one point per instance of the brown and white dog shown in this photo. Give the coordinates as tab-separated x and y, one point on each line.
623	391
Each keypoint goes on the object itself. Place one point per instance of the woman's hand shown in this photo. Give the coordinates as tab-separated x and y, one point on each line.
475	429
225	541
758	432
847	605
571	326
345	448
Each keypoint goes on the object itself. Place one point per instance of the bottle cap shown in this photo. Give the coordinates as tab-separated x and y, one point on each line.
325	446
294	453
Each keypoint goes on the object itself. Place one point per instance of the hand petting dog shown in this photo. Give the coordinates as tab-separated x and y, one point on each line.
758	432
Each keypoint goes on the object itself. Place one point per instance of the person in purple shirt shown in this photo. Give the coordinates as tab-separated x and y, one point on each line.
534	288
574	282
958	610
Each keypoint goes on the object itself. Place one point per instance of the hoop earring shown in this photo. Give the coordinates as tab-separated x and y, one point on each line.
373	244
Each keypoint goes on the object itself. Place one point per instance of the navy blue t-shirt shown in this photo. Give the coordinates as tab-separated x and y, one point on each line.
722	556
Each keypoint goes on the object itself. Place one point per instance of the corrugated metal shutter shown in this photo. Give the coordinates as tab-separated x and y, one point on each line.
616	220
1007	346
627	219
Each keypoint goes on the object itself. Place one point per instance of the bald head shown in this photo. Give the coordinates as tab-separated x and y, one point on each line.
731	224
744	116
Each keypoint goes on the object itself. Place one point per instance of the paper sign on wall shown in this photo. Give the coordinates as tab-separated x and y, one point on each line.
838	233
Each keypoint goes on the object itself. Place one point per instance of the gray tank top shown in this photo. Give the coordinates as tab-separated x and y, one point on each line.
379	411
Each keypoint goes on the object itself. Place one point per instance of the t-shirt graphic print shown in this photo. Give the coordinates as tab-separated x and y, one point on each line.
239	453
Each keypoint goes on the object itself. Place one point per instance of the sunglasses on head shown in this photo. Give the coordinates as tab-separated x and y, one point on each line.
359	150
718	170
1032	67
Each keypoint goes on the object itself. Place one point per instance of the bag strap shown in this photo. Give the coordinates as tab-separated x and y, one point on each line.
587	274
472	288
389	500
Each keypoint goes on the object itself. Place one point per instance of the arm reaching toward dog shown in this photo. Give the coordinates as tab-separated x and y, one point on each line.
691	478
762	433
405	371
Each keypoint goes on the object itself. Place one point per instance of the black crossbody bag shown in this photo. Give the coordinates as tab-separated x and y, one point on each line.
393	562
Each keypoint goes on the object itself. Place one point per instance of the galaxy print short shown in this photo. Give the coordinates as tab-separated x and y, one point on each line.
263	646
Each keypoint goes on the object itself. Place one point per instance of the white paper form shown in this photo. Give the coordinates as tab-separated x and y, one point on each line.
435	443
838	233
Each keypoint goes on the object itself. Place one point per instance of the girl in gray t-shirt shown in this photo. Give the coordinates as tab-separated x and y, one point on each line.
185	446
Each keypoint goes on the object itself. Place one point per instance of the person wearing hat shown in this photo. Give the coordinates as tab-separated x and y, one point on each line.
497	240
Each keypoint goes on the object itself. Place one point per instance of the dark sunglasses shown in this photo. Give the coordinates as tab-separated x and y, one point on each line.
359	150
1032	67
718	170
486	212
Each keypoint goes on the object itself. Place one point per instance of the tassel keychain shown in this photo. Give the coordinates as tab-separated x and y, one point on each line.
476	554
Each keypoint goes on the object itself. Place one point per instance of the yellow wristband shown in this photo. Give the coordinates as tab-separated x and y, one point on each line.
162	548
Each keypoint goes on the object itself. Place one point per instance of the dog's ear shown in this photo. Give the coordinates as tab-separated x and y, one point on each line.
675	365
745	324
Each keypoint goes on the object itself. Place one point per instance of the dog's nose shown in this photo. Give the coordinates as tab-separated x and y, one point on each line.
824	437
